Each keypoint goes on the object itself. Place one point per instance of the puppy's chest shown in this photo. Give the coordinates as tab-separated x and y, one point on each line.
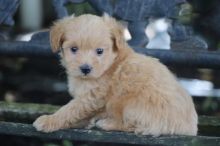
97	89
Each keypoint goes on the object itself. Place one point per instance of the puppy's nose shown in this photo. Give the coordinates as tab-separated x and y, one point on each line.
85	69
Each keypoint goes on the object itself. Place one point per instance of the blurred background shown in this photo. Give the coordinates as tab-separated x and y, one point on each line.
43	80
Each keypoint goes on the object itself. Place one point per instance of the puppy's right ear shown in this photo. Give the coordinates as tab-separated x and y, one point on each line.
56	37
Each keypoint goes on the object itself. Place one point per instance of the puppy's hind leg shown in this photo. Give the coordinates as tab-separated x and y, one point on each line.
109	124
92	122
146	131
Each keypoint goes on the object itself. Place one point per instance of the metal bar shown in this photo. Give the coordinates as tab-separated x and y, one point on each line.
185	58
180	58
25	49
28	130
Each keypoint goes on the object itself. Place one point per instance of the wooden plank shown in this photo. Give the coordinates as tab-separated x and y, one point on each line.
24	112
28	130
28	112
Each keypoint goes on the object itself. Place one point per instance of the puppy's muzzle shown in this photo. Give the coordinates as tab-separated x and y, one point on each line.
85	69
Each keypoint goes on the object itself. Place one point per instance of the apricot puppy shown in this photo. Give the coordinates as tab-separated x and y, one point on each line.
113	87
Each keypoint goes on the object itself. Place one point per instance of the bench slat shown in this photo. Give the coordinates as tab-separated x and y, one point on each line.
28	112
28	130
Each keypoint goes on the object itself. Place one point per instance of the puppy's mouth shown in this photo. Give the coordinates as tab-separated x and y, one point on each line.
85	77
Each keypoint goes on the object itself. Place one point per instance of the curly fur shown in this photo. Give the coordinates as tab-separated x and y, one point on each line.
125	91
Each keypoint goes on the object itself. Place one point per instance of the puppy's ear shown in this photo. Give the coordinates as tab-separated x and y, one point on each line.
117	32
56	36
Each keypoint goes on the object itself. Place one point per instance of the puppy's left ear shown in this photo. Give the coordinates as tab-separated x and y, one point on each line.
117	32
56	37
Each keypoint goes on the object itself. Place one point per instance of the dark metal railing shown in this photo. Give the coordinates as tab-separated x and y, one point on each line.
181	58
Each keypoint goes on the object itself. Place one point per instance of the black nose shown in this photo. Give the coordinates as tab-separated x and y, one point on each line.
85	69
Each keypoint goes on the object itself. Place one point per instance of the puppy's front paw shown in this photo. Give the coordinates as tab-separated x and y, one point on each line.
45	123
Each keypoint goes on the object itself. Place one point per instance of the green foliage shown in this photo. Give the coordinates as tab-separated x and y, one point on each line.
64	143
186	13
78	9
210	105
67	143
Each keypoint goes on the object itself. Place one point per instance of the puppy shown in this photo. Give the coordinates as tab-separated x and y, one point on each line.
113	87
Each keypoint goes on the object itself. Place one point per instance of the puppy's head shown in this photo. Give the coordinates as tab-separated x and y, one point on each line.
88	44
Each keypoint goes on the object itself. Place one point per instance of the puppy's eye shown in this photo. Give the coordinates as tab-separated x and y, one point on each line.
74	50
99	51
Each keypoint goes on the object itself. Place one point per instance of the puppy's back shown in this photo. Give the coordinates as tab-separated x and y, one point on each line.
157	103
